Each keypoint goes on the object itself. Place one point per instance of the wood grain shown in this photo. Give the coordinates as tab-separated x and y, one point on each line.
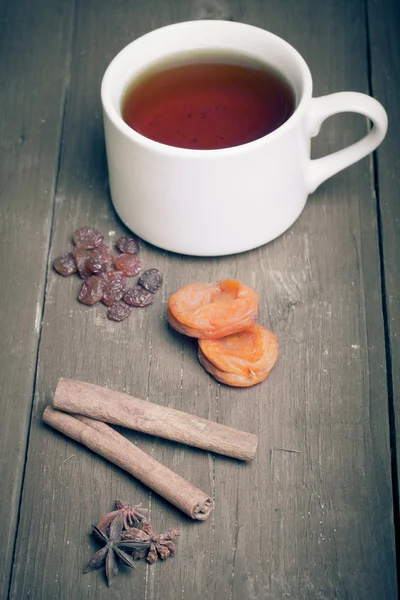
30	128
311	517
384	25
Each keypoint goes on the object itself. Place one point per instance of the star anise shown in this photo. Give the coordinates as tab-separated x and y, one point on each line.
114	549
156	545
130	514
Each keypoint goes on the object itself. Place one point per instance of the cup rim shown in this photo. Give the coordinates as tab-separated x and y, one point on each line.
153	145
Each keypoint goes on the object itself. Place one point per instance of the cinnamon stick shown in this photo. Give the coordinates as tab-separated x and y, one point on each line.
114	407
103	440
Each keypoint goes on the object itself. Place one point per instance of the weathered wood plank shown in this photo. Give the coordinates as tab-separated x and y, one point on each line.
322	299
31	117
312	517
384	26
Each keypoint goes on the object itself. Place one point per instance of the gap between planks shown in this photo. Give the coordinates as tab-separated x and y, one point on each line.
388	355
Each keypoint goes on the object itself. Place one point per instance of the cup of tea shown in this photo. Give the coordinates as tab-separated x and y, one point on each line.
208	127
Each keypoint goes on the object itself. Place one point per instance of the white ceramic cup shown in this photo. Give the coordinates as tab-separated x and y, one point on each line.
217	202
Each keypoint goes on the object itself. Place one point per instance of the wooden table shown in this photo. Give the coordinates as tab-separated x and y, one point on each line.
316	515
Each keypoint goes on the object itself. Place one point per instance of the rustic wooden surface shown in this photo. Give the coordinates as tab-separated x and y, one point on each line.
312	516
384	25
31	104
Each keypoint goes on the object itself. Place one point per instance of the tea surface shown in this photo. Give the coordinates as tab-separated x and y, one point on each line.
207	100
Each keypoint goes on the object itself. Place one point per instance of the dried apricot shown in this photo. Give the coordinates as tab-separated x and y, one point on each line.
91	290
128	245
114	286
212	310
128	264
119	312
151	280
88	238
65	264
241	359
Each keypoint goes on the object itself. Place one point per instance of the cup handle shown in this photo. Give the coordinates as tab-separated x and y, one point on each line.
321	108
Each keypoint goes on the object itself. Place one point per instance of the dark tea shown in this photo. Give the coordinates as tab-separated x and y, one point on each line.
207	100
